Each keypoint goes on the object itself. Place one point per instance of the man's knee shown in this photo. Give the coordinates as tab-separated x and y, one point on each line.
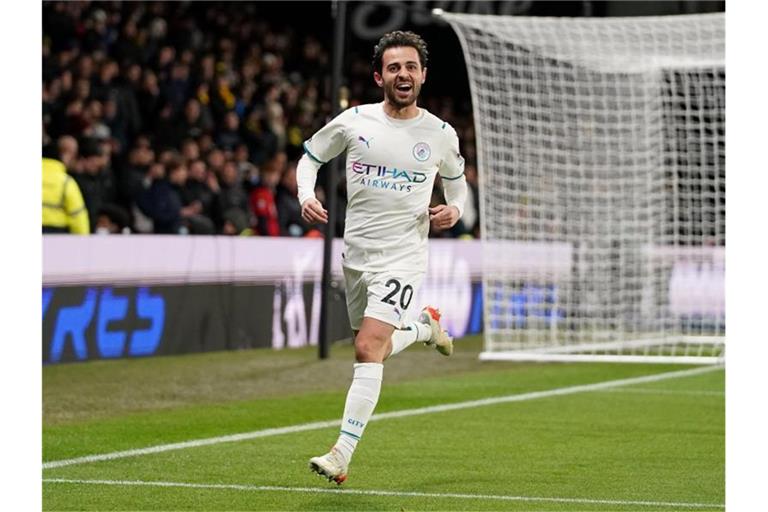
371	347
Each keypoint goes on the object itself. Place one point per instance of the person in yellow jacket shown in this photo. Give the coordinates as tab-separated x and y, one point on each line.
63	207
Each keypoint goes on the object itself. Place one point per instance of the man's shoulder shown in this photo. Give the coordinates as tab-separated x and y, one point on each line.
53	166
357	113
432	122
366	109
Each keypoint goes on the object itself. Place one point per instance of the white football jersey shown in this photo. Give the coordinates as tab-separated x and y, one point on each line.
391	168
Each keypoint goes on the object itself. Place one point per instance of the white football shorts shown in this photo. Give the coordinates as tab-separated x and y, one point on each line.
385	295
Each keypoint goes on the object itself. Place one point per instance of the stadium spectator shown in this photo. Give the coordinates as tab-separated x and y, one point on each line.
202	187
242	159
194	221
262	197
111	219
288	206
216	160
94	176
236	223
149	98
68	151
232	193
194	123
472	207
228	137
160	202
190	150
133	174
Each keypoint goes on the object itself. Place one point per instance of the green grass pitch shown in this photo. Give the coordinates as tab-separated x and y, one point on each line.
653	445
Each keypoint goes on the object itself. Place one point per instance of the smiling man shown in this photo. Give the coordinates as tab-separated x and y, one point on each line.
394	152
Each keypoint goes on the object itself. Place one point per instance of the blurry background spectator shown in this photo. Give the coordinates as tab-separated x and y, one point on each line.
111	219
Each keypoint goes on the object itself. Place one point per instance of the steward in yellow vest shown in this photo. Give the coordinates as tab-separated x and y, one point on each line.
63	207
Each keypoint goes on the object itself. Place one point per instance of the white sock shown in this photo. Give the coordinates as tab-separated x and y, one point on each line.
410	333
361	401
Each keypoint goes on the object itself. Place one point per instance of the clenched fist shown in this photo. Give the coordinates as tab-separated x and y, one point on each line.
443	216
313	212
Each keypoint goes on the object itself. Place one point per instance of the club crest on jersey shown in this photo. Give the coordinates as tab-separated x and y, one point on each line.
422	151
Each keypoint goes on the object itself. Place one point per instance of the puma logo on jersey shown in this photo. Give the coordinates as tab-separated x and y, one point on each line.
367	142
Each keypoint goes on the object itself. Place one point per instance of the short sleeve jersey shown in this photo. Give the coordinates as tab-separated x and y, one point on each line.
391	168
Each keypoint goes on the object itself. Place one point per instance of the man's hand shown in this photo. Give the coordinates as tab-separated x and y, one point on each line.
193	208
312	211
443	216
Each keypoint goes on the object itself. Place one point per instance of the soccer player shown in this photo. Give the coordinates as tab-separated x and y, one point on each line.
394	152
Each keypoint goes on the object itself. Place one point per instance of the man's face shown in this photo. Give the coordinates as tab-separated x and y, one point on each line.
401	75
178	176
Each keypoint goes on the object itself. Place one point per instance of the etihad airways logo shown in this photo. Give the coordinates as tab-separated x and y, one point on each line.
382	171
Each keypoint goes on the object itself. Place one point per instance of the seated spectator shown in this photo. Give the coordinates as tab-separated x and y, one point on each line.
117	125
132	175
160	202
263	196
112	219
192	216
472	207
232	193
262	143
193	123
236	223
202	187
94	176
149	98
288	206
190	150
216	160
262	203
229	137
242	159
68	151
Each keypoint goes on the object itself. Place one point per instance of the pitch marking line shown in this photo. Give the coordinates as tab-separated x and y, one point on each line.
383	416
371	492
651	391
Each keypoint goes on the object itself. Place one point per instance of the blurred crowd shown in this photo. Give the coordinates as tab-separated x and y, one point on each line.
189	117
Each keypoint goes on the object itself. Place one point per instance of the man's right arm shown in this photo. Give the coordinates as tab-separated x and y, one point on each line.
312	210
326	144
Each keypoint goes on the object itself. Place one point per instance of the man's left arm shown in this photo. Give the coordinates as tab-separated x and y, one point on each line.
454	187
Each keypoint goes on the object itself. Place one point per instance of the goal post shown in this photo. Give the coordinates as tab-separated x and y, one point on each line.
601	157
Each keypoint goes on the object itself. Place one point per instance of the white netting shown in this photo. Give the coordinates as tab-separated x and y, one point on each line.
601	145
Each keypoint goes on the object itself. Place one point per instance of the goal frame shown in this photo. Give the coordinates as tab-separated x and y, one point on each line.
597	352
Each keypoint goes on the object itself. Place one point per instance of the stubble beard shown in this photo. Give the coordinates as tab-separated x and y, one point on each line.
391	95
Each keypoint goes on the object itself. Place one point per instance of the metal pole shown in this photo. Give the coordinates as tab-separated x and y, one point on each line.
339	10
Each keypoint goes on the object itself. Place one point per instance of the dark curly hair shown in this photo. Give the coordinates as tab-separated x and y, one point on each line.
396	39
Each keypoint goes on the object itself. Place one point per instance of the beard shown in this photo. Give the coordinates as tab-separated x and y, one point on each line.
390	92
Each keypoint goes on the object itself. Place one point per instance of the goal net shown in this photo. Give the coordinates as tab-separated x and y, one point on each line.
601	156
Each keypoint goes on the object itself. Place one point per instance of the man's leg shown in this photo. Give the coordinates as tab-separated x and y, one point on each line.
373	315
372	344
407	335
426	329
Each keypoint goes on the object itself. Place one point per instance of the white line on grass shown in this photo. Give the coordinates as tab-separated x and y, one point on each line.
383	416
371	492
651	391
